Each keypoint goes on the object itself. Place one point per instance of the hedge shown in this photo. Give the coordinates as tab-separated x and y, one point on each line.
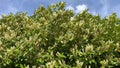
54	37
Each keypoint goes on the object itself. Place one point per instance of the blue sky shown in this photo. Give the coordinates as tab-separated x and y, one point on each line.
102	7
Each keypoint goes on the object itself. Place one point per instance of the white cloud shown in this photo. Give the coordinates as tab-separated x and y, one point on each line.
69	8
80	8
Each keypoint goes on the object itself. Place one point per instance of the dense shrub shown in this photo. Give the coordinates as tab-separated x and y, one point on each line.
54	37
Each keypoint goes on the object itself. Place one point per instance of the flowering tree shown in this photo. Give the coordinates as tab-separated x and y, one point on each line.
55	37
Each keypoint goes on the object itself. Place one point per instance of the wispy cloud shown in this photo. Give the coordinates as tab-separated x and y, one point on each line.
12	9
93	12
115	9
102	7
70	7
105	7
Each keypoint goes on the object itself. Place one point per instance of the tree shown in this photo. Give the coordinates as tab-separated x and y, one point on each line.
50	38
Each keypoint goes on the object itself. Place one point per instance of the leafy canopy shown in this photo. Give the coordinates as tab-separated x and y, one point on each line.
55	37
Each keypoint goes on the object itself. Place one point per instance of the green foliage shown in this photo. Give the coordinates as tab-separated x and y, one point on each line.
57	38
